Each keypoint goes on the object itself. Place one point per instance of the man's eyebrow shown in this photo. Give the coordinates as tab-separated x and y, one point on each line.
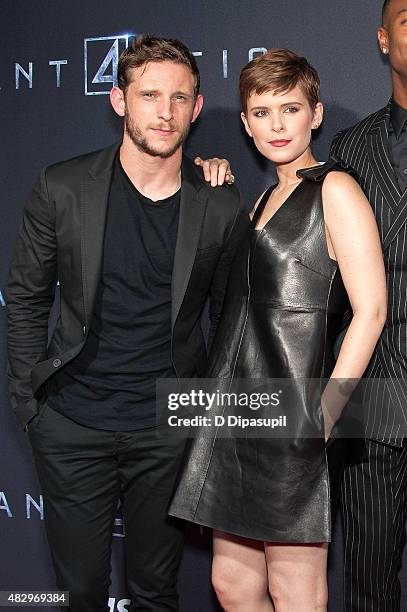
183	93
176	93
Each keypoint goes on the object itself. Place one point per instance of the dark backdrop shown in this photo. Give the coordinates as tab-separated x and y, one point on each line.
42	123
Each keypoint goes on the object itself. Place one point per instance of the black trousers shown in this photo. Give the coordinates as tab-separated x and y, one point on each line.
83	472
374	508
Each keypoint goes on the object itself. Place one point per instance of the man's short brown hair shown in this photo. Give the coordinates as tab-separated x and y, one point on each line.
279	70
147	48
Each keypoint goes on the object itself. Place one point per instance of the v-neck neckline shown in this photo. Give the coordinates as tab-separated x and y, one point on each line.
262	205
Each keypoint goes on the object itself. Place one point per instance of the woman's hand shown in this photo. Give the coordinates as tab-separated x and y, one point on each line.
216	170
335	396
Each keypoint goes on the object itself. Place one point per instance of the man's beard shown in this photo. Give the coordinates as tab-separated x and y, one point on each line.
141	141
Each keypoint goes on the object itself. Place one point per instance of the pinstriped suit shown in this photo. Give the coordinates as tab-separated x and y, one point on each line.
374	494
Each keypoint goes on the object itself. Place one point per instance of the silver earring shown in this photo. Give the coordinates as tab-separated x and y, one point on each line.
385	50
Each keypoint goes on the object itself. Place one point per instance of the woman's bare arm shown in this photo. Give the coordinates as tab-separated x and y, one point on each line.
353	240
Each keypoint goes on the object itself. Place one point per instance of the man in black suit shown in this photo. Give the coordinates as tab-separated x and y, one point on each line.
138	241
374	494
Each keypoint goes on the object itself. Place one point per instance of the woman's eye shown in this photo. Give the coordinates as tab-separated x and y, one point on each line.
260	113
291	109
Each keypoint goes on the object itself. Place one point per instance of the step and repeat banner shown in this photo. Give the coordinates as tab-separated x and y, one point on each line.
57	65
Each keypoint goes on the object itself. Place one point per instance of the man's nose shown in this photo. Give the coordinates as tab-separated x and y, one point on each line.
165	109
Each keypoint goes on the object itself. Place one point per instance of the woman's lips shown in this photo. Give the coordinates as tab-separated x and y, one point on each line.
280	143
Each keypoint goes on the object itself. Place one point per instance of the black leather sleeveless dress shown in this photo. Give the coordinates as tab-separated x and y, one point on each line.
284	307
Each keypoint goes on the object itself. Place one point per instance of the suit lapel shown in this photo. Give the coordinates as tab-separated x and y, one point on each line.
377	149
398	222
377	146
94	199
192	210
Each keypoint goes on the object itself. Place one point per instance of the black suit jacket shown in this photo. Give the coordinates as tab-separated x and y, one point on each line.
61	237
365	148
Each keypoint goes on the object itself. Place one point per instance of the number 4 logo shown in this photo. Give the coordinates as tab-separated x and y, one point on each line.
101	59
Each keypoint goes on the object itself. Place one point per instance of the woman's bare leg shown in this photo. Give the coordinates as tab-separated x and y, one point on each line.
239	574
297	576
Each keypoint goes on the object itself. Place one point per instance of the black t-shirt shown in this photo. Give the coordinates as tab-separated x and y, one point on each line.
111	383
398	143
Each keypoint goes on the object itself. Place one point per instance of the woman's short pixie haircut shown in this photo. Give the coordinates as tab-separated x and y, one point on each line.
279	71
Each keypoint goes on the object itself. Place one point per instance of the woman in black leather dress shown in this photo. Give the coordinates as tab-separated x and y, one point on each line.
313	247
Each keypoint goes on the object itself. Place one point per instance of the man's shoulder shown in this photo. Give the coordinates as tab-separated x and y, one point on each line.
223	195
358	129
79	166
